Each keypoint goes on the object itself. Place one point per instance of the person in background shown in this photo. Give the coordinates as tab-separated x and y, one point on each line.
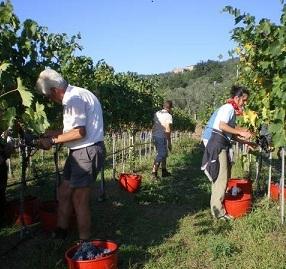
216	162
83	134
161	134
6	149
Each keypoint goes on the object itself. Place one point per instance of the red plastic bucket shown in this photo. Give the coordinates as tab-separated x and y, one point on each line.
274	191
107	262
48	215
130	182
237	206
30	210
243	184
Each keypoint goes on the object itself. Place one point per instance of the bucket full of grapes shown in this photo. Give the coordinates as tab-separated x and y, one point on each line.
99	254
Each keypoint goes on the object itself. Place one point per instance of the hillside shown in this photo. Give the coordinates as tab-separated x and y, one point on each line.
200	90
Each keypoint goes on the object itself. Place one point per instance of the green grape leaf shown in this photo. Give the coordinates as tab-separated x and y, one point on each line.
7	118
6	13
275	49
27	97
279	137
3	67
36	119
30	27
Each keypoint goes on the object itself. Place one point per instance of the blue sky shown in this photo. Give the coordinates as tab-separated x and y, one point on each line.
146	36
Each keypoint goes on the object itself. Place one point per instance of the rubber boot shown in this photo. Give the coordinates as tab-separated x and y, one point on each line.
165	173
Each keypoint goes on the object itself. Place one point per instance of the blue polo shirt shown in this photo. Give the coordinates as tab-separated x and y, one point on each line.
209	127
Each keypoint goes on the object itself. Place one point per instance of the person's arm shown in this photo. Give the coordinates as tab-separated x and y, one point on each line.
235	131
9	148
168	130
52	133
251	145
74	134
5	152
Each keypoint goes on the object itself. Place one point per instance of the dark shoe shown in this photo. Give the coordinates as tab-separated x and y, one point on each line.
165	173
59	233
155	176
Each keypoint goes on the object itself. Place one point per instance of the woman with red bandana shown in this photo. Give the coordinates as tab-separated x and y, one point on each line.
216	160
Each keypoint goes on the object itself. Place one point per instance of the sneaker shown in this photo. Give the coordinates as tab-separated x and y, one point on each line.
226	217
59	233
165	173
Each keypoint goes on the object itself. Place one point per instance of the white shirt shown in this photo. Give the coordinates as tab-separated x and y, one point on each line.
225	113
82	108
161	119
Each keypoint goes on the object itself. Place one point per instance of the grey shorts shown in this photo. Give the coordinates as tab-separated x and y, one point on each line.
83	165
161	147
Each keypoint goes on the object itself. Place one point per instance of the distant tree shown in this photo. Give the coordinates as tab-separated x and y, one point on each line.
173	81
206	68
201	90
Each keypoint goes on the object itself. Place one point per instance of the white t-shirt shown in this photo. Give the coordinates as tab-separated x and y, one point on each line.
82	108
225	113
161	119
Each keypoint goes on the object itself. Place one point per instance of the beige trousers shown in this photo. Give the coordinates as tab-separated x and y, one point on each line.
219	186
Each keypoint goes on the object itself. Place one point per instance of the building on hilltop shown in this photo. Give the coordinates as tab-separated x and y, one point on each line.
183	69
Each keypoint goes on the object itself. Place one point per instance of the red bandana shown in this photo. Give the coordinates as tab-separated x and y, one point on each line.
237	109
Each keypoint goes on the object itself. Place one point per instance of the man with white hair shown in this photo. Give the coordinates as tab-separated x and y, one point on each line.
83	134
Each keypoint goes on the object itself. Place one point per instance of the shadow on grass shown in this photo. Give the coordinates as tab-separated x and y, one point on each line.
138	222
142	221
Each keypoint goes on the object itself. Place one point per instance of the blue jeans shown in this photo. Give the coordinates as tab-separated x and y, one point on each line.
161	147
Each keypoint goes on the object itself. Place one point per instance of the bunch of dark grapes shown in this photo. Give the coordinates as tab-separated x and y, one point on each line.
264	139
263	142
88	251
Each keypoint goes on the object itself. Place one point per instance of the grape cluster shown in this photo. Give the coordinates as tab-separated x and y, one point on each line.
88	251
264	139
264	142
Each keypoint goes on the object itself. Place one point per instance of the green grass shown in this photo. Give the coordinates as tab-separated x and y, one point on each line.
167	224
